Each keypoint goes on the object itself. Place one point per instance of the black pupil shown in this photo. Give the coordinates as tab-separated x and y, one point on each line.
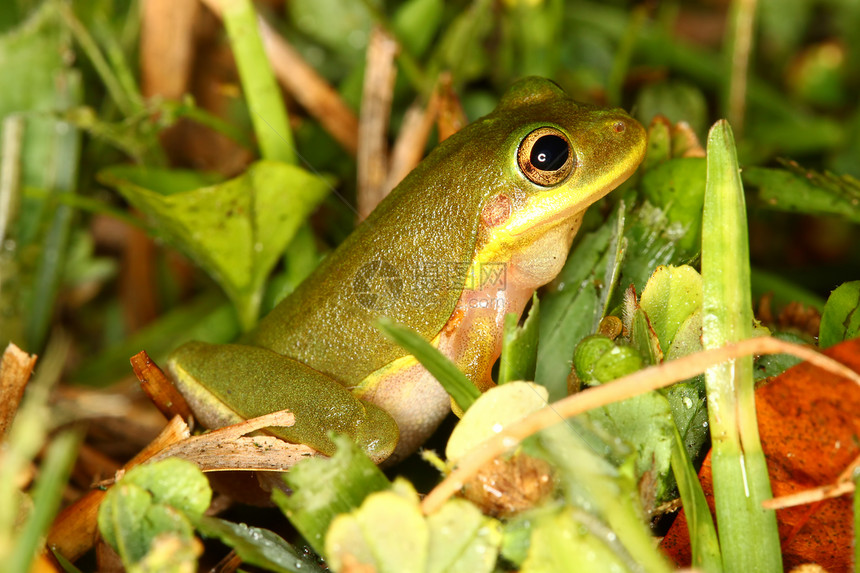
549	153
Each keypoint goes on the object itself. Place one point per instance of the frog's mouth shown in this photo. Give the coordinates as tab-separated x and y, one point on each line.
554	208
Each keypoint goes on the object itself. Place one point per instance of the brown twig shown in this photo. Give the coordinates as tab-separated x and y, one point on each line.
159	388
376	98
843	484
15	370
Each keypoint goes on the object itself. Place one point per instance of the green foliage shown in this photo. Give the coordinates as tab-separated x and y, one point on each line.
389	533
81	112
236	230
519	346
841	319
148	516
349	477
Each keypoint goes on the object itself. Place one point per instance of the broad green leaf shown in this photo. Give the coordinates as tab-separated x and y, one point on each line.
387	532
496	408
325	487
671	295
121	516
677	100
462	540
258	546
608	493
841	317
461	389
235	230
519	346
645	422
560	542
147	517
174	482
677	187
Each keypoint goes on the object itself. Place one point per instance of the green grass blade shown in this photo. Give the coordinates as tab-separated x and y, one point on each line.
46	499
455	382
700	523
748	533
66	154
265	104
519	346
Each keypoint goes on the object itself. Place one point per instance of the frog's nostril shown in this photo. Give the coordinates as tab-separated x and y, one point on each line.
619	127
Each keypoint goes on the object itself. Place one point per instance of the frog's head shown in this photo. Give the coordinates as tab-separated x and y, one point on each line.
557	157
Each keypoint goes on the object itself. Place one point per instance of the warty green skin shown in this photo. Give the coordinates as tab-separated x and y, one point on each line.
431	223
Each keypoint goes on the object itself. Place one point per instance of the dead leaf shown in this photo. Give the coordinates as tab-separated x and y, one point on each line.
809	430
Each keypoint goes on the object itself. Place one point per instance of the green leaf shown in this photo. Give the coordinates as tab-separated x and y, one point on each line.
806	191
416	22
497	407
174	482
462	540
676	100
235	230
519	346
606	493
671	295
147	517
748	534
257	546
346	35
841	317
645	422
568	314
121	516
389	533
461	389
325	487
561	542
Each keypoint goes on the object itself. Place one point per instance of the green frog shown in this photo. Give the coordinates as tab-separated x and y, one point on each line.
464	239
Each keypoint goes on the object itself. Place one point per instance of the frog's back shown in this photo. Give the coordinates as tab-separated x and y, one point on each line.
407	261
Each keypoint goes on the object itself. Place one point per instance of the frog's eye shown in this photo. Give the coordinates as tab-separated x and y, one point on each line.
545	156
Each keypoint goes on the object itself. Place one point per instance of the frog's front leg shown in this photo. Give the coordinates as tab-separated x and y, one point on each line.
228	383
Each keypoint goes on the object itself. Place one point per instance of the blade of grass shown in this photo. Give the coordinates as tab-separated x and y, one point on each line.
268	114
47	494
739	45
66	150
700	523
128	103
748	534
455	382
519	346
